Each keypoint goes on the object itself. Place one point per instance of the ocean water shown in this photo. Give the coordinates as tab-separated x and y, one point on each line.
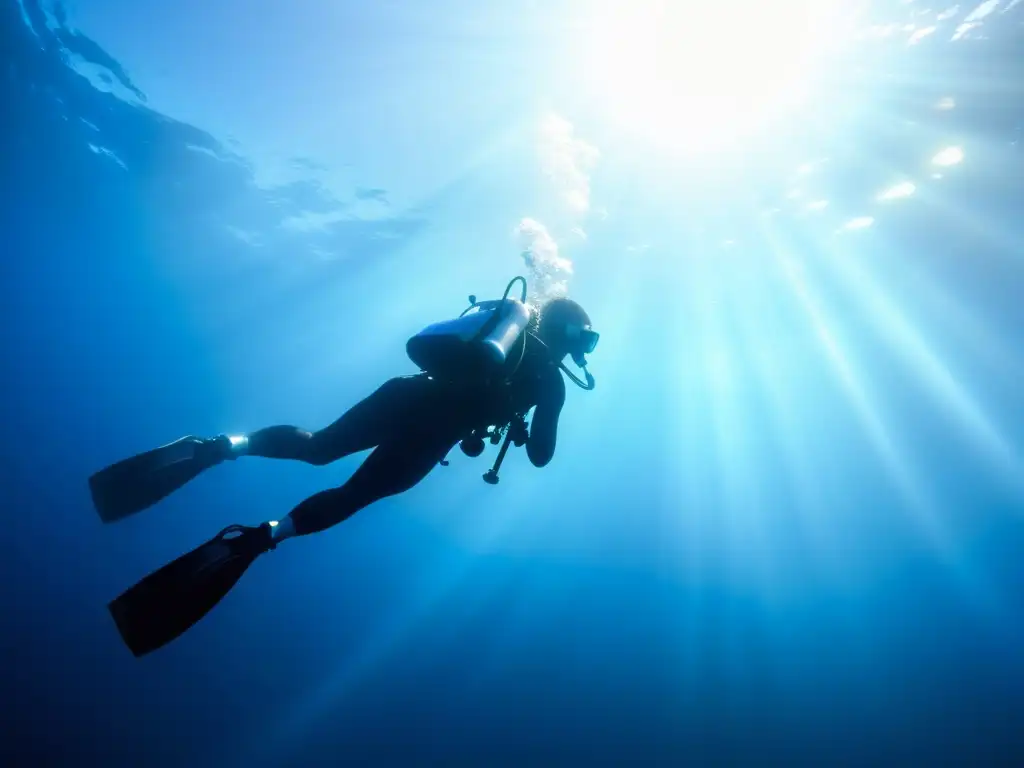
786	528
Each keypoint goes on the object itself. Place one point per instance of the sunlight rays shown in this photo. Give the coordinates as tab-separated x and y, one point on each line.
933	373
723	422
907	339
443	578
743	506
970	330
905	478
920	498
768	364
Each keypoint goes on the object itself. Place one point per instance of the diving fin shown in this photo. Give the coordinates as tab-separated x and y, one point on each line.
168	602
136	483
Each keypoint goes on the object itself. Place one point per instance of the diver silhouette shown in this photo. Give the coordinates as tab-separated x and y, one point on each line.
481	373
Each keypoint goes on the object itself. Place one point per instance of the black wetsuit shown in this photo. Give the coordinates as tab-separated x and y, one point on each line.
412	422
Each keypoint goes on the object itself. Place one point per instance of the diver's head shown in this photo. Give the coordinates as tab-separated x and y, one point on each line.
564	327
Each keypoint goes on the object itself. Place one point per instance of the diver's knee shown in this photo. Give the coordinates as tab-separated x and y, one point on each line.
317	451
316	454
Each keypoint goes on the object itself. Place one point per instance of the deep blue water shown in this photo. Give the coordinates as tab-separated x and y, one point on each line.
653	602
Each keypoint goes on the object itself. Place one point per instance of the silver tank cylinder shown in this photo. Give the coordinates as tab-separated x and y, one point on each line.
476	344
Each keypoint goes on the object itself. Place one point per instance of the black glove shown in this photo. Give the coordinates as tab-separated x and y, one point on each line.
518	431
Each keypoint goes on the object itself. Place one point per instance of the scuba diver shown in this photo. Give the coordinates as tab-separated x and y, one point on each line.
481	373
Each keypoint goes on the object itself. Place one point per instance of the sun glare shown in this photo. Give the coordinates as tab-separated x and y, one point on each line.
696	76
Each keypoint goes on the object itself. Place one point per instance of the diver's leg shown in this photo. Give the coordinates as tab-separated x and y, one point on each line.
391	469
166	603
134	484
379	418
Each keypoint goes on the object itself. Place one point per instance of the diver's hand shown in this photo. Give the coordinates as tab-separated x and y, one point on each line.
518	431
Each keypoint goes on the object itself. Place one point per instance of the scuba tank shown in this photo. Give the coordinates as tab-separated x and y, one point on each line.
475	344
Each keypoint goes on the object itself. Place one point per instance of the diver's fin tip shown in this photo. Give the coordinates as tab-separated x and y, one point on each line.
134	484
100	492
172	599
131	641
107	513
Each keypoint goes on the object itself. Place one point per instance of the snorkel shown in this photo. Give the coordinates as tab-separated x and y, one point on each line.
581	341
581	362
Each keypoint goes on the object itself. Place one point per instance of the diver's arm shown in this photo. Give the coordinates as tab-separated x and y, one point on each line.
540	447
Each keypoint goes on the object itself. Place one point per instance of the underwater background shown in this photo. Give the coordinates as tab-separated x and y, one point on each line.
786	528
